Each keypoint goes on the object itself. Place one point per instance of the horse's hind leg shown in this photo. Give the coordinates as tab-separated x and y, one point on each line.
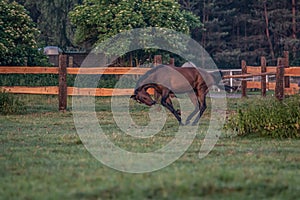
202	107
195	101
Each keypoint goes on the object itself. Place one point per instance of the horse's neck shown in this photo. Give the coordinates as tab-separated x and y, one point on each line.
149	85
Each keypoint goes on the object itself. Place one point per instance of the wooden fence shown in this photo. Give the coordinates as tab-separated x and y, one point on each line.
281	87
62	90
282	72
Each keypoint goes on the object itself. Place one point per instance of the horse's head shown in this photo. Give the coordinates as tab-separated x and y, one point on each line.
142	96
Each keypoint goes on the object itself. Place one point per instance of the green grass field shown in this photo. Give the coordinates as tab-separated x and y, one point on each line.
42	157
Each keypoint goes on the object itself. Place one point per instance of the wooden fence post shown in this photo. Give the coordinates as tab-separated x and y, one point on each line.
62	81
263	64
279	88
172	62
71	61
157	60
244	82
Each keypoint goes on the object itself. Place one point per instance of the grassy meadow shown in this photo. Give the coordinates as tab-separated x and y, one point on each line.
42	157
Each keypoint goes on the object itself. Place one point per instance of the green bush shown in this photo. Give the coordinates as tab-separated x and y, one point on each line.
267	117
29	80
9	104
33	80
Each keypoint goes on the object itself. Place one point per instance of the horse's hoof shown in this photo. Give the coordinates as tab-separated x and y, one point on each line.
194	124
181	124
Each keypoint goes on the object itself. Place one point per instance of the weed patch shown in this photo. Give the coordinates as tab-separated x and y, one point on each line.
267	117
10	104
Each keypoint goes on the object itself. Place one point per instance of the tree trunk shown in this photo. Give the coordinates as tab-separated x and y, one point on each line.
294	26
294	19
267	31
204	20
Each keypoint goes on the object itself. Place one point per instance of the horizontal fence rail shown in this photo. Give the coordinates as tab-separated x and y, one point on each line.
28	70
71	91
92	70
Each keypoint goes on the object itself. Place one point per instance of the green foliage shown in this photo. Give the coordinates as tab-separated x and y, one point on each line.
267	117
99	20
10	104
18	34
233	30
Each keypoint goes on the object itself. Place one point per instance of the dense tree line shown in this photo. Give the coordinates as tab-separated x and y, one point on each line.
236	30
233	30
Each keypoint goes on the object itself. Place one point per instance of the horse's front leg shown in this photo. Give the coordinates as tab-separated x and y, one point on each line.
166	102
156	95
188	120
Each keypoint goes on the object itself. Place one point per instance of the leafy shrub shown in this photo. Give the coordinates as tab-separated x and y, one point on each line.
267	117
28	80
33	80
9	104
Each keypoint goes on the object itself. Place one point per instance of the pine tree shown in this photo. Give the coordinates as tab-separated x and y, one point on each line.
52	19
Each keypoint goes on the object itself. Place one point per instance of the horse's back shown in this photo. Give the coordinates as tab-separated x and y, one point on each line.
179	79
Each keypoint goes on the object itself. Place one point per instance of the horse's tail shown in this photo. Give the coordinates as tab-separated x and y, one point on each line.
218	76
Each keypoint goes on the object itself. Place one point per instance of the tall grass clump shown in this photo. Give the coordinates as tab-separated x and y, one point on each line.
267	117
10	104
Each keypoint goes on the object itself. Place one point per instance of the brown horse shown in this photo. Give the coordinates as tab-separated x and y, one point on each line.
167	81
